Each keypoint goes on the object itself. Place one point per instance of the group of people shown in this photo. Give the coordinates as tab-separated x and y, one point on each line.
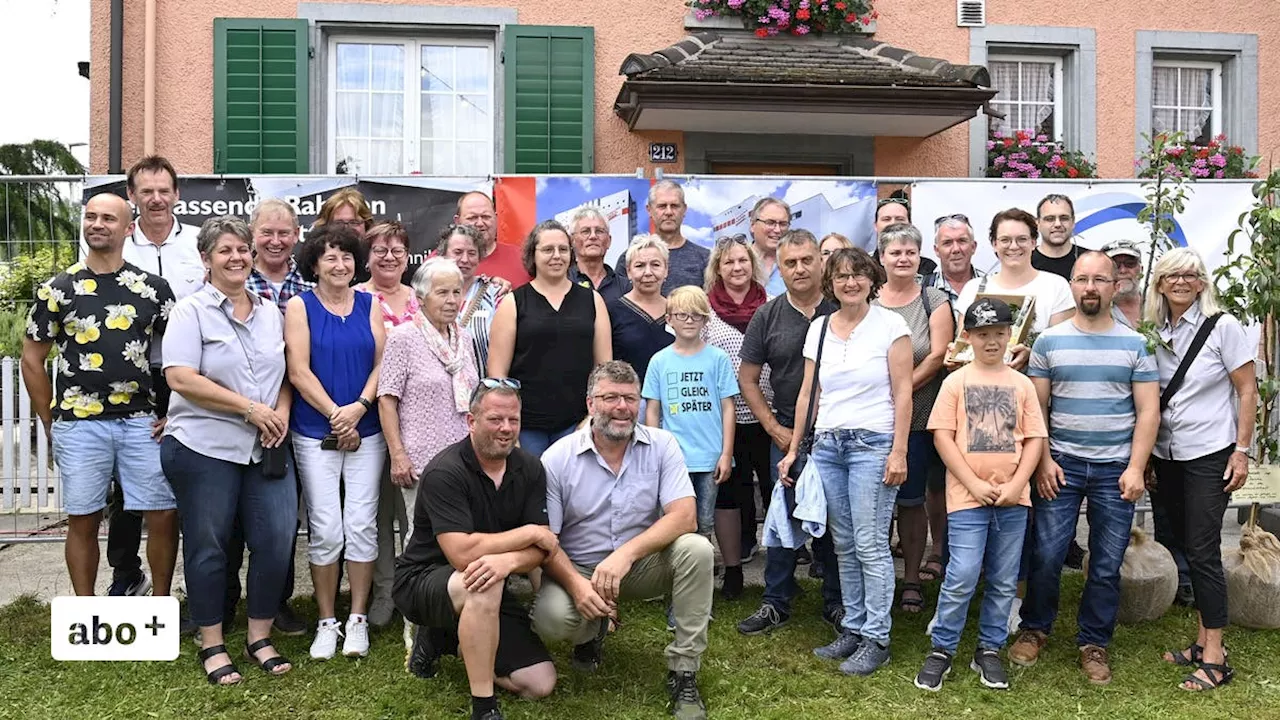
534	411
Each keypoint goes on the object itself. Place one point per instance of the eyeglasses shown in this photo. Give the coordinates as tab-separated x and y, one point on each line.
492	383
685	317
613	398
1084	280
1184	278
353	224
1023	240
396	252
727	240
775	224
937	223
590	231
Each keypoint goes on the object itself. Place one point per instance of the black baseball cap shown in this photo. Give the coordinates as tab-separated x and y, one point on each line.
987	312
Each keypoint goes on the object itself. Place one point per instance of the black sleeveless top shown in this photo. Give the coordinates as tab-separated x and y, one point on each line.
553	357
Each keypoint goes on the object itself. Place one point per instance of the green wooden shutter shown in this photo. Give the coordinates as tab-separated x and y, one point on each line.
260	96
550	99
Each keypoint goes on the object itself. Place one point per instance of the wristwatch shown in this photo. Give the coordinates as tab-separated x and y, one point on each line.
1245	450
367	405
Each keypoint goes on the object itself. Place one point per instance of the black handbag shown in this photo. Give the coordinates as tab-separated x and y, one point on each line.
806	441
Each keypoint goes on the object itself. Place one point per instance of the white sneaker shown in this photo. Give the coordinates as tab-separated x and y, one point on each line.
326	642
1015	615
357	642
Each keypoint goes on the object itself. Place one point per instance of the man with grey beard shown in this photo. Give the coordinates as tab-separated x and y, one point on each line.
620	500
1127	306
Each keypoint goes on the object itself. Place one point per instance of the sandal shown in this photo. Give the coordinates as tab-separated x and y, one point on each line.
270	664
215	675
1193	655
1218	675
928	573
911	605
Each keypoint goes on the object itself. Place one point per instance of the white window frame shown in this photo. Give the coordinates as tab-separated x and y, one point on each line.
1215	99
412	121
1056	61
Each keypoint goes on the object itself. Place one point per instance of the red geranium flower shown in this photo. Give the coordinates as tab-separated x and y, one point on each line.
1072	172
761	32
841	6
850	18
802	14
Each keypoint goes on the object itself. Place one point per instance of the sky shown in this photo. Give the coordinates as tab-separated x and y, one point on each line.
40	43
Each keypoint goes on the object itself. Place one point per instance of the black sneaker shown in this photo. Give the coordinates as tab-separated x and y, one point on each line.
1075	555
766	620
817	571
990	669
288	623
937	666
134	584
732	587
423	659
1186	597
802	556
843	647
494	714
833	615
686	702
588	656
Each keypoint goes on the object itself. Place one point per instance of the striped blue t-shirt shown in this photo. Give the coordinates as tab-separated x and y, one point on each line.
1091	375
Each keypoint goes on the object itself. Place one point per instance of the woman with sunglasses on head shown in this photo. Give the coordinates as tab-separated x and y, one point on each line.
1013	236
638	319
928	314
735	287
549	334
1202	448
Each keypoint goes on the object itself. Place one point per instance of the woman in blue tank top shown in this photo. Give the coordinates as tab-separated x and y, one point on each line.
333	340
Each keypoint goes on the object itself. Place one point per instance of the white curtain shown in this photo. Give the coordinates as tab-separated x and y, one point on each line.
1026	95
1037	86
1004	78
1182	99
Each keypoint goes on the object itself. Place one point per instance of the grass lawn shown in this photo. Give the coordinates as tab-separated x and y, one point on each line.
763	677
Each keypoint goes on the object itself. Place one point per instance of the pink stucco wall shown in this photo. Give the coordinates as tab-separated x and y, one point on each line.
184	32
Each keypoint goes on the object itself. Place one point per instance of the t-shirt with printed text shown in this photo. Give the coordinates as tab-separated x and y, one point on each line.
689	389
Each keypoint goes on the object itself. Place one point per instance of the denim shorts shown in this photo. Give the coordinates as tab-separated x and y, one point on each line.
87	451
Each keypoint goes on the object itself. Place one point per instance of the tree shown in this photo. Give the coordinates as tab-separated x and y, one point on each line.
38	214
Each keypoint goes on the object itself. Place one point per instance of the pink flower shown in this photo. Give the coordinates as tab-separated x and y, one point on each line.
1219	160
1009	175
763	19
1000	160
1042	138
991	144
801	30
1199	163
1024	141
1200	172
1219	174
703	14
1056	161
1033	173
735	4
1043	149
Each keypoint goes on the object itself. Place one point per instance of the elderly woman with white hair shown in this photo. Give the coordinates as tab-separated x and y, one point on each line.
639	318
1202	448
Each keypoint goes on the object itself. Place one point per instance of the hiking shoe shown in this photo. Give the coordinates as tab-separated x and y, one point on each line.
135	584
686	702
423	658
869	657
1026	649
380	611
356	643
765	620
287	622
1096	664
732	587
803	557
845	644
990	670
833	615
937	666
588	656
326	642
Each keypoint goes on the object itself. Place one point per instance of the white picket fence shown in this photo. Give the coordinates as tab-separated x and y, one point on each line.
28	480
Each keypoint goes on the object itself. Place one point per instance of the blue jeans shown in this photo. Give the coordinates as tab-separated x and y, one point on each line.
780	586
705	491
1110	517
212	495
980	539
859	508
536	442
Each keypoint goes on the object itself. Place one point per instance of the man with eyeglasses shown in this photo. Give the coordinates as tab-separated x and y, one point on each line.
496	259
589	233
1099	389
621	502
954	245
1127	305
480	517
1058	251
894	210
770	220
686	261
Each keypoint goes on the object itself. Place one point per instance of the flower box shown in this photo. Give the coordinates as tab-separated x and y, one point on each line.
1027	156
789	17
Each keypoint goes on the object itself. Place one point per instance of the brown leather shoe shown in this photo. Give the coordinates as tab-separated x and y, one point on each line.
1096	664
1026	649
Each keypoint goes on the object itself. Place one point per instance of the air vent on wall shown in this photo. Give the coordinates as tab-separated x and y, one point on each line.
971	13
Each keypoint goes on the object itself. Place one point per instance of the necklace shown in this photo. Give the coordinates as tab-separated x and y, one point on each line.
340	309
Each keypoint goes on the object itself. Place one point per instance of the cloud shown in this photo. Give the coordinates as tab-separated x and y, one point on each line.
698	235
540	184
711	196
584	182
837	194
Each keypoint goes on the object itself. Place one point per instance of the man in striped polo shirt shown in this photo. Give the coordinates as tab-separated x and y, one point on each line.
1099	388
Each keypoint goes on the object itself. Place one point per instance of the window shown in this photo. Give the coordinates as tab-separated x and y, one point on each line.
411	106
1030	94
1186	96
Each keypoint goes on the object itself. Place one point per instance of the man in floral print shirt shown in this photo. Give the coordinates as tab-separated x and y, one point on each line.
102	314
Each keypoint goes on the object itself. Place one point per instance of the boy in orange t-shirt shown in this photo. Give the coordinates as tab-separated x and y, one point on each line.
989	430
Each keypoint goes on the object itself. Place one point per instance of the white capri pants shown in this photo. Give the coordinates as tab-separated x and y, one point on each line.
341	490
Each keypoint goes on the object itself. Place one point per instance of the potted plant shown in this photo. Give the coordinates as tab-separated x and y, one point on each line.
795	17
1218	160
1024	155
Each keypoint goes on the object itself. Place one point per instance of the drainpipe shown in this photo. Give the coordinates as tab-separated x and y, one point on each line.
149	79
114	165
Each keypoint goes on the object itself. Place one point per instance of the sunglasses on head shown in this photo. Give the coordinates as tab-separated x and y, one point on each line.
893	201
958	216
725	240
492	383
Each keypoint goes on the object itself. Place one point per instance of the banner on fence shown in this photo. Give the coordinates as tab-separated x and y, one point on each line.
422	204
1104	212
716	206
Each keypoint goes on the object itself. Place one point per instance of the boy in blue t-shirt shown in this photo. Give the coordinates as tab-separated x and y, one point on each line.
690	388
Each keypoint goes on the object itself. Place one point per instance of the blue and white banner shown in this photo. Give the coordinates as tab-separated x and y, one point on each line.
1105	211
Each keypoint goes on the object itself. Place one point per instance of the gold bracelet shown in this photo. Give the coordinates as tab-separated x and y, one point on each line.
248	414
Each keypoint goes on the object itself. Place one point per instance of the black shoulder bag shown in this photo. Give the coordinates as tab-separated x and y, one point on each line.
806	440
1179	375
